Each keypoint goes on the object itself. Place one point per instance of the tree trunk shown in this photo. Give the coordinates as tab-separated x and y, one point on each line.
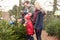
55	6
19	8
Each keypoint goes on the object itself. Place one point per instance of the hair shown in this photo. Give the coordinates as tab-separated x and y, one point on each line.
39	6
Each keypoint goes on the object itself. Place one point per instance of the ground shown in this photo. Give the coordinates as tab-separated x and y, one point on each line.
45	36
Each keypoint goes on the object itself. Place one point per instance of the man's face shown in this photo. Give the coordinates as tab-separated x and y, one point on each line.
25	4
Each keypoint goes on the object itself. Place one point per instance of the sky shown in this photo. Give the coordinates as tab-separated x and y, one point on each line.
8	4
46	4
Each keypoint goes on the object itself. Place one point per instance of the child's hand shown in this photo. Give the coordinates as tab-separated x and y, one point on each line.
19	20
24	24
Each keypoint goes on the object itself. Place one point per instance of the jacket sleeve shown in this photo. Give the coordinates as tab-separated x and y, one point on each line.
37	20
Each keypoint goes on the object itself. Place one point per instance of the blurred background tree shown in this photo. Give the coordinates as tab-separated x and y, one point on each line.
32	1
54	6
14	11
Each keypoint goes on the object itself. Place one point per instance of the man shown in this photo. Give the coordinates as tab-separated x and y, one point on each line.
28	7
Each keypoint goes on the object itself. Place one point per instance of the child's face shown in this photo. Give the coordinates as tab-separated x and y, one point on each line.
30	14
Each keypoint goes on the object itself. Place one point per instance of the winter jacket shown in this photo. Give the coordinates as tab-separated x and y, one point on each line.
39	20
29	25
29	28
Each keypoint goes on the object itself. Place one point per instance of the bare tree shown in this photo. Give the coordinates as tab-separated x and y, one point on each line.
54	6
20	7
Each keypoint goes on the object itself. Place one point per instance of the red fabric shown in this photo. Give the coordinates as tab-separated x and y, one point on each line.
29	25
29	28
35	15
27	17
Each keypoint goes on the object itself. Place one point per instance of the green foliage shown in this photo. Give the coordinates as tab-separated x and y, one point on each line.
12	32
50	28
58	28
0	13
53	26
32	1
14	11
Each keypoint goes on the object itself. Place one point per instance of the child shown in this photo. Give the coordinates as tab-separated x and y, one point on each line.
29	26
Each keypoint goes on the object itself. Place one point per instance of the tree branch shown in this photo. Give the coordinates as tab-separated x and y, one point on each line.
58	5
